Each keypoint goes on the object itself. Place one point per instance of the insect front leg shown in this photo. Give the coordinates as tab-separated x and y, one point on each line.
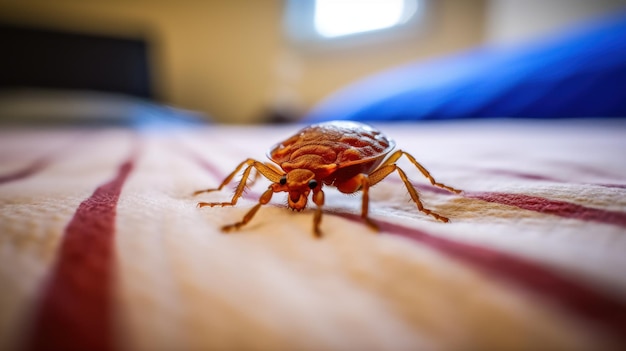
264	199
258	174
362	182
227	180
318	199
268	172
365	202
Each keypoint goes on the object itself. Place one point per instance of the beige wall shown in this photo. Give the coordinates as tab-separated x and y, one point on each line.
230	58
508	20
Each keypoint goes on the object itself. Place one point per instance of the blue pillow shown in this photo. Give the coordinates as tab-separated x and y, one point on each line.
579	74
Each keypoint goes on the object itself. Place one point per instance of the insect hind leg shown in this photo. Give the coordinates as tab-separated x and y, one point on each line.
385	170
415	197
396	155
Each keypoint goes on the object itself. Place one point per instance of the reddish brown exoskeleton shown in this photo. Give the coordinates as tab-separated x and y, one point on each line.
346	155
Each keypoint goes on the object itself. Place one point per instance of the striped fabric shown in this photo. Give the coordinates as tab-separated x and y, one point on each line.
102	246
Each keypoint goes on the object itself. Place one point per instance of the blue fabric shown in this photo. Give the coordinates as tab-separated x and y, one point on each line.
579	74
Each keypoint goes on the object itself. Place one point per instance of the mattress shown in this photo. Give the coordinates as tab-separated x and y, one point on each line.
103	247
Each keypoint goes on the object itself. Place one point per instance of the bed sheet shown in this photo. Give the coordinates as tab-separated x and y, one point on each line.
102	246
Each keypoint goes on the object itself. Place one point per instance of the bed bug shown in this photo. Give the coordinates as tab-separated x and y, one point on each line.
347	155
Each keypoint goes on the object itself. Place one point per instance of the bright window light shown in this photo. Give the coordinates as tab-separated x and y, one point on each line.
334	18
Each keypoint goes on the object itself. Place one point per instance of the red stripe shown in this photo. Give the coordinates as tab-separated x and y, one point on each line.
42	162
553	207
201	161
586	302
522	175
531	176
27	171
211	168
75	311
607	185
538	204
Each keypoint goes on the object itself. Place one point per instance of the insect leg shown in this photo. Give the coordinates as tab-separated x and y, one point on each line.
416	198
273	167
369	181
318	199
258	174
228	178
365	201
238	192
364	182
269	173
396	155
264	199
382	172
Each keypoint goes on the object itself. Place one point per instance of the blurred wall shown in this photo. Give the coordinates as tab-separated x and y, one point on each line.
515	20
230	58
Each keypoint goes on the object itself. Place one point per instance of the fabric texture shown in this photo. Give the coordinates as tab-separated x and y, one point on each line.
102	246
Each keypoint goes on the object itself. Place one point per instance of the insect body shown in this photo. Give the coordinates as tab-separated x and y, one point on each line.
347	155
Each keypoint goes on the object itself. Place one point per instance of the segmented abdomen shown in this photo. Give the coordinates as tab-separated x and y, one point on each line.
335	142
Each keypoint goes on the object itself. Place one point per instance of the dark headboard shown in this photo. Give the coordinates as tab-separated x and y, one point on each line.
38	58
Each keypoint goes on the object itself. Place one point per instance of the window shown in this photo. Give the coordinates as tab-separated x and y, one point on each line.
335	18
321	22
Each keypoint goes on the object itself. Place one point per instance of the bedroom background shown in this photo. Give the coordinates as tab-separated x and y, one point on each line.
234	61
